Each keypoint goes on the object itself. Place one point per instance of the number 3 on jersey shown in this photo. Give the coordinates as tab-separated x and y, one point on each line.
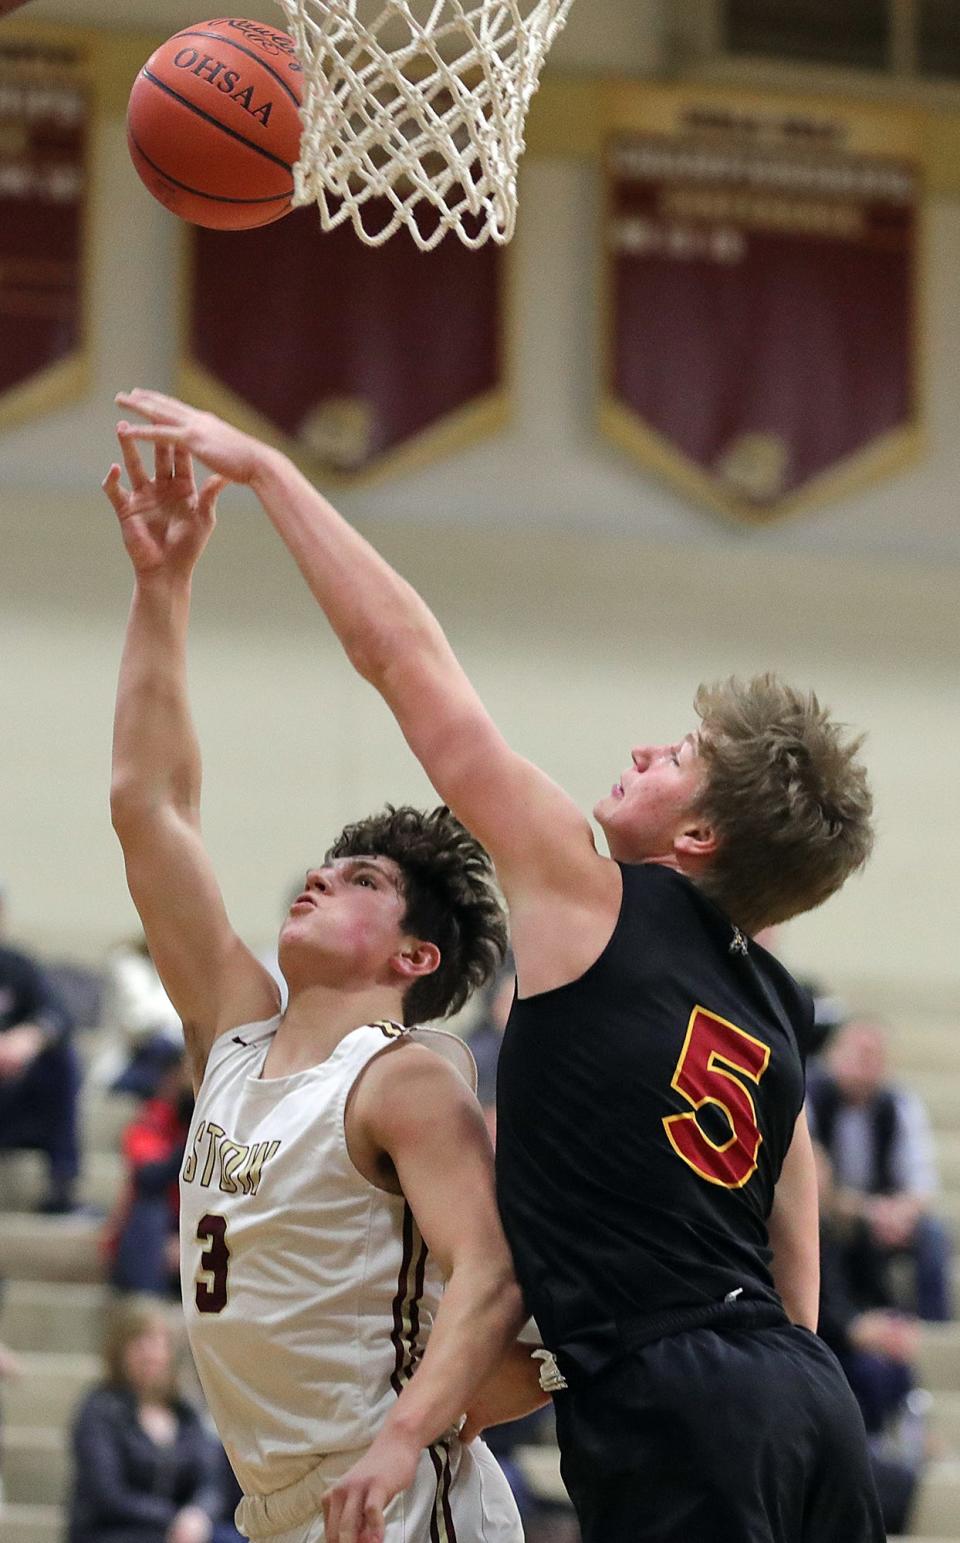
715	1058
211	1297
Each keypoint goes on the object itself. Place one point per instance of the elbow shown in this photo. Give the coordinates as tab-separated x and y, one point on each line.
126	805
493	1291
131	806
506	1301
387	650
136	803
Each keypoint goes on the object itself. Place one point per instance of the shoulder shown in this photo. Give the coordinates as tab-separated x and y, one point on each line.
409	1068
408	1087
104	1404
16	965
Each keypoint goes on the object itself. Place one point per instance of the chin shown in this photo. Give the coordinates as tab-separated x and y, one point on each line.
600	810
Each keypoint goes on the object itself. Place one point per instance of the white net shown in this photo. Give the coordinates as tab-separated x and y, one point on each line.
414	111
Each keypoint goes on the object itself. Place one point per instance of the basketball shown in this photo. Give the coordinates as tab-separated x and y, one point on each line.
213	123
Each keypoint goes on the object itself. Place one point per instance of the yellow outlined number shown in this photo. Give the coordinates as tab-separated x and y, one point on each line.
715	1059
212	1297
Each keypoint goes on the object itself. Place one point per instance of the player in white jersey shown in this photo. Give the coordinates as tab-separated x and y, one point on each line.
340	1230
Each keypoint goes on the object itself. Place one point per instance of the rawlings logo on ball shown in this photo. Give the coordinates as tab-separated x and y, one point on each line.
255	32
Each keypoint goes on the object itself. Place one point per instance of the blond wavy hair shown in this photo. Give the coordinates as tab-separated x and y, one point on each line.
785	794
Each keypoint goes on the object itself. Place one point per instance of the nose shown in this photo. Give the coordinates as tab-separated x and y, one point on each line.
317	879
641	756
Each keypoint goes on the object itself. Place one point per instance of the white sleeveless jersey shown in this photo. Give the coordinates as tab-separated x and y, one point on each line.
308	1293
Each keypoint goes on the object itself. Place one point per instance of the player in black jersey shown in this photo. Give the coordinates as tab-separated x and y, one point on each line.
655	1172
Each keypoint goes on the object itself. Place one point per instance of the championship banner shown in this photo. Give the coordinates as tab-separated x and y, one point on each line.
355	360
45	119
761	276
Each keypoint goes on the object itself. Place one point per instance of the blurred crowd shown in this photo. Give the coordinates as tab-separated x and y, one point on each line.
148	1468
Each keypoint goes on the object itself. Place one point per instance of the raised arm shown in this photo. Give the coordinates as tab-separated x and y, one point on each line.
558	887
213	981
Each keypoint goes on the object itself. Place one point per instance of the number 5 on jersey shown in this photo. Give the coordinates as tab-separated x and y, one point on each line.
715	1058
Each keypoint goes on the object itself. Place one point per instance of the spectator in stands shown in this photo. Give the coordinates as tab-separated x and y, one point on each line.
878	1138
140	1023
142	1236
877	1350
145	1468
39	1075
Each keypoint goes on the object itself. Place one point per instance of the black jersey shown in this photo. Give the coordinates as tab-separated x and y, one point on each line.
643	1115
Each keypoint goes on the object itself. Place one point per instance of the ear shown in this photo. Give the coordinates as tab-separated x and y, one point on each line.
696	844
418	959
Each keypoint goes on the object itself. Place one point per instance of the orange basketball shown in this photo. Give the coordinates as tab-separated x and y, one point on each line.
213	123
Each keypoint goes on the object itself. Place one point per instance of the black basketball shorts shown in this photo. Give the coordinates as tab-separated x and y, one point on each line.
720	1436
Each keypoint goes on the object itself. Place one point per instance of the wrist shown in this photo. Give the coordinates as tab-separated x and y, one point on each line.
165	585
404	1427
269	466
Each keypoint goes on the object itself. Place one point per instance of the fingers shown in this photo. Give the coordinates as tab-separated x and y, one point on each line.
350	1519
374	1525
136	470
332	1509
182	460
114	489
150	433
210	492
153	404
354	1515
163	461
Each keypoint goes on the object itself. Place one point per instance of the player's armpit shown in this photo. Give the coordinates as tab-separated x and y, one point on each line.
794	1230
210	976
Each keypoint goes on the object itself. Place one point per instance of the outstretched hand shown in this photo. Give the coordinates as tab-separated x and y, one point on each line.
224	449
164	519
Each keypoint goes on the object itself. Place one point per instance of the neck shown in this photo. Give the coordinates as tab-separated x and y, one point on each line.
622	854
319	1017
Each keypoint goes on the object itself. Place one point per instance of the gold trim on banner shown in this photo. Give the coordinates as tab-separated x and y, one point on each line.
458	430
454	432
886	455
62	382
867	127
630	107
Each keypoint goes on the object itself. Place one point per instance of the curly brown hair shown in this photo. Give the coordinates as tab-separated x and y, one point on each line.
786	796
451	900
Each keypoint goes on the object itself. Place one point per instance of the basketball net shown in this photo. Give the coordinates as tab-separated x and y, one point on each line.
419	105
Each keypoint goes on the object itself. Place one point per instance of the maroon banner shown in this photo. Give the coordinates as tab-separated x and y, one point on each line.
761	281
349	356
44	125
